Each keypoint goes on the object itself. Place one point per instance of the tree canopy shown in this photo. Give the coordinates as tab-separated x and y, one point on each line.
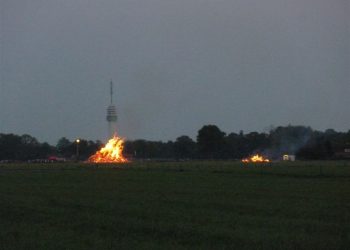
211	143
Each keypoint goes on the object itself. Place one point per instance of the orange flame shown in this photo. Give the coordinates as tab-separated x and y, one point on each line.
256	158
111	153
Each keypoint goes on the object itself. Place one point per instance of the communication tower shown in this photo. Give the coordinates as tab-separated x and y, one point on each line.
111	115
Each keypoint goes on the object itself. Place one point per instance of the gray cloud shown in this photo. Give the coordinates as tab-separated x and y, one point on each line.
177	65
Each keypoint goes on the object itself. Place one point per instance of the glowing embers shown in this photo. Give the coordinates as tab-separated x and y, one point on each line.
112	152
255	159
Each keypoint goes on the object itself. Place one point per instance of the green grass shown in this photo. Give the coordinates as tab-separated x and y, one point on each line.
186	205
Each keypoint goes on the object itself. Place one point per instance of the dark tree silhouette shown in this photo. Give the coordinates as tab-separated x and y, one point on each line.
184	147
210	142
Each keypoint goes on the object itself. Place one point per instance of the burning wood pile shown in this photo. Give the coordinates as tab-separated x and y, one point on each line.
255	159
112	152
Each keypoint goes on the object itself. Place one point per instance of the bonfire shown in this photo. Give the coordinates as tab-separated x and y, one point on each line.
255	158
112	152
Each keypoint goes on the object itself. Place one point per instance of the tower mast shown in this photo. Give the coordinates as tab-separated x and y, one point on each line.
111	114
111	92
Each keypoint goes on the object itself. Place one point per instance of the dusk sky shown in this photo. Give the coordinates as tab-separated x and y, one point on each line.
176	65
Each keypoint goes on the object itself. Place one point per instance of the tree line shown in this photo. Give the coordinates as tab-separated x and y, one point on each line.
211	143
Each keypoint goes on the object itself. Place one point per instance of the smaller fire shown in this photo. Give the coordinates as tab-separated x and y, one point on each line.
111	153
255	158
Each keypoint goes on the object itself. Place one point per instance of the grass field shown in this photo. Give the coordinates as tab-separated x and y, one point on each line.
183	205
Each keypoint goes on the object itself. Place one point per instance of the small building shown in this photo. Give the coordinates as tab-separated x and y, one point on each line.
345	154
288	157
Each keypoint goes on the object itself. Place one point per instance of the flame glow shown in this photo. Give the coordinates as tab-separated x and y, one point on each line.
111	153
255	158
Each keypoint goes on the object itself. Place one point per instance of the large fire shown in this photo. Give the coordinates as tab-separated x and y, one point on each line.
255	158
111	153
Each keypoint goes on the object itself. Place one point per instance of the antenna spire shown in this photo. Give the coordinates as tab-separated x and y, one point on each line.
111	91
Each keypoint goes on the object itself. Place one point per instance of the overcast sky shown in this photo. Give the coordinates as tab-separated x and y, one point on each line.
177	65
